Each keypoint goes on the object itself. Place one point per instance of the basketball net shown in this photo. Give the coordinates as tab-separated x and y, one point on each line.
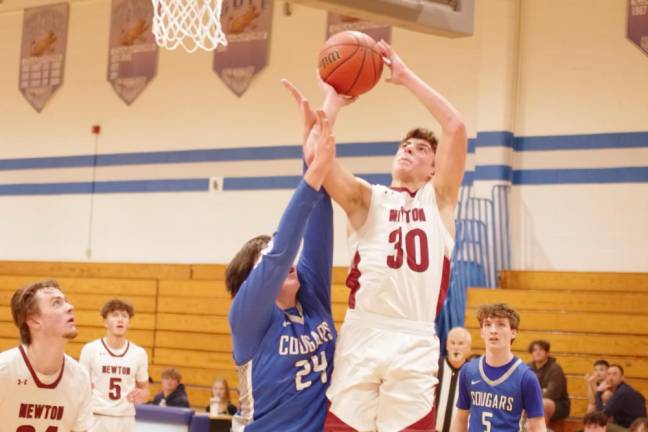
193	24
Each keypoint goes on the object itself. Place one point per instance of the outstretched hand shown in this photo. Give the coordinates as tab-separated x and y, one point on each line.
398	68
309	117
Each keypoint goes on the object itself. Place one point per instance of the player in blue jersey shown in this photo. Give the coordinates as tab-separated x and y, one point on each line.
282	326
497	387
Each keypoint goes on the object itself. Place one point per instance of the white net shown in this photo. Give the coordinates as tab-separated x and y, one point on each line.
192	24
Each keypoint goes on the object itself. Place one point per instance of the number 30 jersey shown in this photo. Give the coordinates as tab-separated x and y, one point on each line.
113	374
401	256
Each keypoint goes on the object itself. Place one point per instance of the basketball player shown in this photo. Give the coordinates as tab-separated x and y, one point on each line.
118	371
401	240
282	327
495	388
41	388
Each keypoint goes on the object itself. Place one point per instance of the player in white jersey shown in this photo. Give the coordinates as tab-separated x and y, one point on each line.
118	371
41	388
401	241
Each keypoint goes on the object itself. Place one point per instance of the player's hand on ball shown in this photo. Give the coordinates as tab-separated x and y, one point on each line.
398	68
331	96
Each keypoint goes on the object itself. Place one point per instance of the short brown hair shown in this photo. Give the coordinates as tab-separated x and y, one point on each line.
641	421
595	417
241	265
543	344
172	373
117	305
424	134
23	304
498	310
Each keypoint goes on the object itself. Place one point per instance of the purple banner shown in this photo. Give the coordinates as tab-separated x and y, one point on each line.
133	53
638	23
42	53
336	23
248	25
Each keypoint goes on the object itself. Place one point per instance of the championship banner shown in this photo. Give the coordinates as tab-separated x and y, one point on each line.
42	53
336	23
248	25
133	53
638	23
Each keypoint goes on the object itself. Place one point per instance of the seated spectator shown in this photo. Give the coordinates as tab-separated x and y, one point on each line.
626	404
458	346
552	381
595	421
593	380
220	402
639	425
173	393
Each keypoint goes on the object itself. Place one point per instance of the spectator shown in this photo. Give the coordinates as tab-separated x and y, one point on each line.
639	425
626	404
173	393
458	347
552	380
595	421
220	402
593	380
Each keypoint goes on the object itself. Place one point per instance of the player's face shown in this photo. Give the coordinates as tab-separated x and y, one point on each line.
117	322
497	333
594	428
539	355
601	372
458	347
614	377
291	284
55	318
414	160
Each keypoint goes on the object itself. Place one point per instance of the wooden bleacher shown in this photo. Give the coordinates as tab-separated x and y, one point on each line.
181	317
181	313
585	317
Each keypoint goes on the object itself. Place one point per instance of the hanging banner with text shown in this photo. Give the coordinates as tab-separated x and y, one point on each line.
336	23
638	23
133	53
248	25
42	53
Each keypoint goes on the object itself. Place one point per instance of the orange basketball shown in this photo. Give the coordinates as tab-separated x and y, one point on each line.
350	63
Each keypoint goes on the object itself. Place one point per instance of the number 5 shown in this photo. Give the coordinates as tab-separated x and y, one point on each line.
486	416
114	385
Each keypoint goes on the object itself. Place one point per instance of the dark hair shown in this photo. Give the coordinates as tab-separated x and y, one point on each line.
641	421
498	310
595	417
541	343
602	363
617	366
424	134
117	305
241	265
172	373
23	304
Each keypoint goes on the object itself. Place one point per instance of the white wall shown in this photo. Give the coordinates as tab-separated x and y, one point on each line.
568	78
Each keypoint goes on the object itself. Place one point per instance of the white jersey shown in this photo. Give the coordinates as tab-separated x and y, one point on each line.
30	401
113	375
401	256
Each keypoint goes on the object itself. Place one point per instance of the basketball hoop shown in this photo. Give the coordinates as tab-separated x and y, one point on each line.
193	24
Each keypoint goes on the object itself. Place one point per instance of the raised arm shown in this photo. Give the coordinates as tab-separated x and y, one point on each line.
252	308
451	152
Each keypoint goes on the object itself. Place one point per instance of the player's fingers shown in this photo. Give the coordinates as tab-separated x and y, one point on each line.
294	91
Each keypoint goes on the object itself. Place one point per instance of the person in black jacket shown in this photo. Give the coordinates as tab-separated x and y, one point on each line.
220	402
626	404
173	393
552	380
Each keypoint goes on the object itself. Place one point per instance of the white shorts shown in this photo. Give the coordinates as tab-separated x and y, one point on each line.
385	372
103	423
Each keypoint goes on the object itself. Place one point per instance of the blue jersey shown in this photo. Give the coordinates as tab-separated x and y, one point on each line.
496	396
285	357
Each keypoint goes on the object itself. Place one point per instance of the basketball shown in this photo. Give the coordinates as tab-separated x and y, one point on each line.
350	63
